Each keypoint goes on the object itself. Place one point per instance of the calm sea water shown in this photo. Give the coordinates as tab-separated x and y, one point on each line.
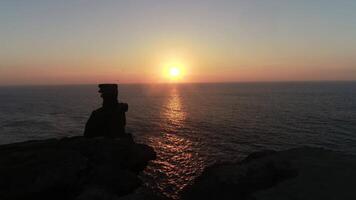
193	125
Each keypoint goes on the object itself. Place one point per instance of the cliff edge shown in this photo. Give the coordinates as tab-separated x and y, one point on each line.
75	168
304	173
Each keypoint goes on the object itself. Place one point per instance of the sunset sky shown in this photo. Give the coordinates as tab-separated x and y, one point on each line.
87	41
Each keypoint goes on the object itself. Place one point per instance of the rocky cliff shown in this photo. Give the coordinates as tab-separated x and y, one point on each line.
300	174
75	168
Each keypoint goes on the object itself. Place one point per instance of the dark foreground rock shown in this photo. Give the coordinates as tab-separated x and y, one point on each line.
298	174
75	168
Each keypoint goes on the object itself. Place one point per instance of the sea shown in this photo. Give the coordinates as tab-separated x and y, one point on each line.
192	126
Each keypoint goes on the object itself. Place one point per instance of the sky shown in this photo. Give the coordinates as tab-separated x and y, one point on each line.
130	41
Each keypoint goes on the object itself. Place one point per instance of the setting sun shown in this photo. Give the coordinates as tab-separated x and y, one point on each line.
174	72
174	67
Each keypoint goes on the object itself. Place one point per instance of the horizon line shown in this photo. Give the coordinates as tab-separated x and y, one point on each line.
177	83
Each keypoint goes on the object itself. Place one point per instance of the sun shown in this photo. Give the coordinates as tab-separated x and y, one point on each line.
174	72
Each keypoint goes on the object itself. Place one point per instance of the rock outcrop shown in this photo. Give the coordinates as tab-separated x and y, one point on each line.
301	173
75	168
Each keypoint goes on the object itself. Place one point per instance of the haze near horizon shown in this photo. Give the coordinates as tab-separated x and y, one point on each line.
84	41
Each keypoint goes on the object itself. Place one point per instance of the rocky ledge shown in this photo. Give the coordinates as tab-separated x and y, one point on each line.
75	168
298	174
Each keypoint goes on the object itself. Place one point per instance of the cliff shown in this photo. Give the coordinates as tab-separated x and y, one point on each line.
300	174
75	168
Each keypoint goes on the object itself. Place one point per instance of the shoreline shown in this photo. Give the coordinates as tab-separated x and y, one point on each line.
79	168
300	173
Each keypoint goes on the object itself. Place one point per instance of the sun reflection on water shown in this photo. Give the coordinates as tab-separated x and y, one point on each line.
177	163
173	112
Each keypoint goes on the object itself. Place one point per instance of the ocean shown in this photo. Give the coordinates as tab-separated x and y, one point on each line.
192	126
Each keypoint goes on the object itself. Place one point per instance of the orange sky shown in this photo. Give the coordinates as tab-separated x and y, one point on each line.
81	42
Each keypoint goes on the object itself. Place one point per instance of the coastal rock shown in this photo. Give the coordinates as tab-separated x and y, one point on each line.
72	168
300	173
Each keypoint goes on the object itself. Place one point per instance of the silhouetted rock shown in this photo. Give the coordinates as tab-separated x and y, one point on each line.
301	173
71	168
110	119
